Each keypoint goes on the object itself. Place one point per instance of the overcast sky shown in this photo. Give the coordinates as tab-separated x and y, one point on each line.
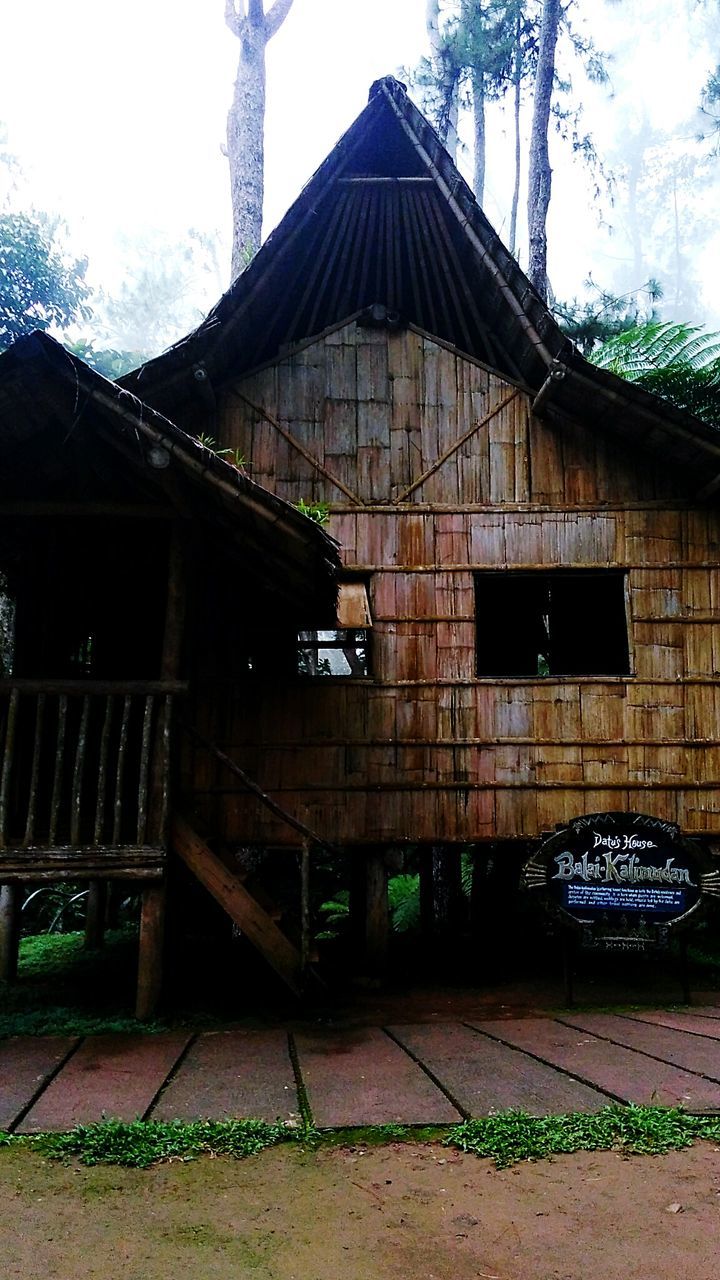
117	112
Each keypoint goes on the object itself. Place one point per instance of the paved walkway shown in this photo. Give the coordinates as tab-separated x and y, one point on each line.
412	1074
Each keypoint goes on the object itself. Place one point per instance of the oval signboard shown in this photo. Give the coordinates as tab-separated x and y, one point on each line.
621	873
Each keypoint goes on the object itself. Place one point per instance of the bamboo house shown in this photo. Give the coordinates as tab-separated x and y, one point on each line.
529	588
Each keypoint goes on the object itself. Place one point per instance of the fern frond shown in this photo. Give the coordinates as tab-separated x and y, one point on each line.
678	362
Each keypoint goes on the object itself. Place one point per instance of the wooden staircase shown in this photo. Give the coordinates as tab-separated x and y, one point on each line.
256	920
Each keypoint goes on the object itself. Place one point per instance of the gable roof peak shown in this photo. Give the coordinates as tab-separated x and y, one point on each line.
389	84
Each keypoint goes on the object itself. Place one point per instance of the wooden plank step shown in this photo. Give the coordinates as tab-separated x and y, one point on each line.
112	1076
693	1023
362	1077
484	1076
26	1063
233	1075
621	1072
691	1052
259	928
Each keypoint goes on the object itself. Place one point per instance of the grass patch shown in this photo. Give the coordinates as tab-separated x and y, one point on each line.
511	1136
64	989
505	1138
140	1144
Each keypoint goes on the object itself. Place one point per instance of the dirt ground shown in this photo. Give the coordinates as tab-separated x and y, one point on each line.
364	1214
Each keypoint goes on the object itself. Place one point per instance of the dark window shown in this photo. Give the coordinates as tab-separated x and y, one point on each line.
559	623
334	653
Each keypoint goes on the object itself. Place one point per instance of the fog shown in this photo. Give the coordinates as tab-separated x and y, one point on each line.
116	116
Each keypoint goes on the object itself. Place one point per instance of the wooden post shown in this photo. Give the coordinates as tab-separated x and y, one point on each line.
305	906
95	915
152	913
150	950
9	931
427	905
377	915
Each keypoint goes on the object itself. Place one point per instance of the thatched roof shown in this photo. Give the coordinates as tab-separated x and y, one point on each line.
67	435
388	220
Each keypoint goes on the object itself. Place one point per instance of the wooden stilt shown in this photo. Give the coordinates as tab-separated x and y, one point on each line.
684	970
377	916
427	903
150	951
305	906
448	905
568	971
357	895
9	931
95	915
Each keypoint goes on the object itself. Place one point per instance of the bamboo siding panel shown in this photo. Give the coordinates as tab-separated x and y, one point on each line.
424	750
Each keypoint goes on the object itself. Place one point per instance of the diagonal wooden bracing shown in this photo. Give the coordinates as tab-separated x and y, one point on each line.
243	909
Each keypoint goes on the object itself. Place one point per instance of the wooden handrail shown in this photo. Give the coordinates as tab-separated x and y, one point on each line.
82	687
306	832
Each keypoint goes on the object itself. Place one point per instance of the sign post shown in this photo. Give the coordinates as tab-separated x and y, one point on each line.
622	882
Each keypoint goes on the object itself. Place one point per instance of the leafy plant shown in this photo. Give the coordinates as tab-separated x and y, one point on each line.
138	1144
679	362
234	456
404	902
40	286
317	511
511	1136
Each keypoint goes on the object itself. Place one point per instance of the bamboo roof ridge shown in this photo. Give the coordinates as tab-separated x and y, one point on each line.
388	231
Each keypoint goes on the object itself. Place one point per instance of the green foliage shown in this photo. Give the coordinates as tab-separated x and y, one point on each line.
507	1137
679	362
335	914
65	990
605	315
317	511
51	908
110	363
404	902
40	286
511	1136
234	456
138	1144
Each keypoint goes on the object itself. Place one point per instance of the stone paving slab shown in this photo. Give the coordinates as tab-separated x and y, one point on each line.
621	1072
690	1023
26	1062
233	1075
690	1052
706	1011
483	1076
112	1076
362	1078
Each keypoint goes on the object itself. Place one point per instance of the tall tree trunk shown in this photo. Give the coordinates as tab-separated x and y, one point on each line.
246	122
517	86
447	79
478	101
540	174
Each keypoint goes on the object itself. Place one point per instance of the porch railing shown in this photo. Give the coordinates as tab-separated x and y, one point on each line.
84	765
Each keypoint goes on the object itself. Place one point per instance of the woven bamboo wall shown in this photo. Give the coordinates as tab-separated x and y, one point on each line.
425	750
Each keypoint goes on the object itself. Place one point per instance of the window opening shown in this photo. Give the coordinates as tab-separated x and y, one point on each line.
555	623
344	651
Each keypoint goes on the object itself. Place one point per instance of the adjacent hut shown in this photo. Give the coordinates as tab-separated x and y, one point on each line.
527	621
529	606
126	549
